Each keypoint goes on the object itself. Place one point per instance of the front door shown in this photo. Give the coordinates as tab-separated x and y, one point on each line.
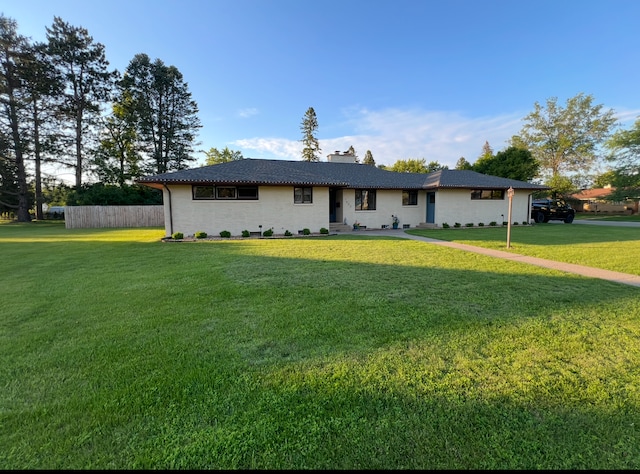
332	205
431	208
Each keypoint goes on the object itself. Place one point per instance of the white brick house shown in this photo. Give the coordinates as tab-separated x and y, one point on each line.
256	195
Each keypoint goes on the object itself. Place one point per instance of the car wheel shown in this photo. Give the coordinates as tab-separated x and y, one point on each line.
540	217
568	219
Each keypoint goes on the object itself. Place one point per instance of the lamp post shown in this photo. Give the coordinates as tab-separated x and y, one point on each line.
510	193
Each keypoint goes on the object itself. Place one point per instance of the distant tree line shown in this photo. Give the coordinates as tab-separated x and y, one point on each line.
61	105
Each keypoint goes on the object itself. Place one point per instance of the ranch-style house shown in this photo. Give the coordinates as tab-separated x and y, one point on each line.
258	194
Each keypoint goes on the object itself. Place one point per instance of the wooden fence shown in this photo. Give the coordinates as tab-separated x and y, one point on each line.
82	217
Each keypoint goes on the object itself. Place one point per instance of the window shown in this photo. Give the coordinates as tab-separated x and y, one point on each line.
365	199
487	194
302	195
224	192
247	192
203	192
410	197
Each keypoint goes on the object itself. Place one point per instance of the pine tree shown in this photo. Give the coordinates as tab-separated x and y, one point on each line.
164	113
368	159
309	126
82	68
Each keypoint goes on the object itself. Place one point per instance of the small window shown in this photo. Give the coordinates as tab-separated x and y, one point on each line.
410	197
487	194
203	192
365	200
247	192
303	195
225	192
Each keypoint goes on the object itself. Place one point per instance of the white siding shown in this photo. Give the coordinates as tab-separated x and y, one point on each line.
274	209
457	206
388	203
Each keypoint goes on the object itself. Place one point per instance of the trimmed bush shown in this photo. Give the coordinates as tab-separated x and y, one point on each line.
246	233
457	224
268	233
225	233
324	230
287	233
480	224
493	223
177	235
445	225
200	235
306	231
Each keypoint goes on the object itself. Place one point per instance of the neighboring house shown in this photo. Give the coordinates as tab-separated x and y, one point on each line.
256	195
594	200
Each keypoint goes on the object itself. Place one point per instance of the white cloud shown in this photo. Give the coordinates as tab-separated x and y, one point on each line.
395	134
246	113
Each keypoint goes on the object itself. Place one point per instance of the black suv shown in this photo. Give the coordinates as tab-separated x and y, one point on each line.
545	210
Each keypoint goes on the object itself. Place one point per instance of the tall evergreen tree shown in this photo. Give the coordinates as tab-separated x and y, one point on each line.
309	127
463	164
42	87
14	51
83	69
166	116
368	159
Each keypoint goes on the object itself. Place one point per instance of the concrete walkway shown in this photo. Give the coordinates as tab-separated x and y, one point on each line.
618	277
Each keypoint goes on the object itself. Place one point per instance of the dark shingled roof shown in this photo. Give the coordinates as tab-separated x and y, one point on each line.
251	171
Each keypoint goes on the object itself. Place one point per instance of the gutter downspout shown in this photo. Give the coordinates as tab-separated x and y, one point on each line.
164	185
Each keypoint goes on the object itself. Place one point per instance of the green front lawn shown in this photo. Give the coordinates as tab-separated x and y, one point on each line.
337	352
608	217
610	248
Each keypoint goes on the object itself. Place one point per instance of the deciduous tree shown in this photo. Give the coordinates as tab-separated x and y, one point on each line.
565	139
416	166
215	156
513	163
625	157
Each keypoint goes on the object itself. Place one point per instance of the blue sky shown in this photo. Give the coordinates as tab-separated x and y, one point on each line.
402	78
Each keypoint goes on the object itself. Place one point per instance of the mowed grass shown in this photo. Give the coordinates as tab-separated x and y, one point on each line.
337	352
609	248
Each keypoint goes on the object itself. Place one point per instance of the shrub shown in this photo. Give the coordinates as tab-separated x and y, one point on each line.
457	224
246	233
177	235
225	233
504	222
306	231
268	233
200	234
287	233
324	230
469	224
445	225
493	223
480	224
525	223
